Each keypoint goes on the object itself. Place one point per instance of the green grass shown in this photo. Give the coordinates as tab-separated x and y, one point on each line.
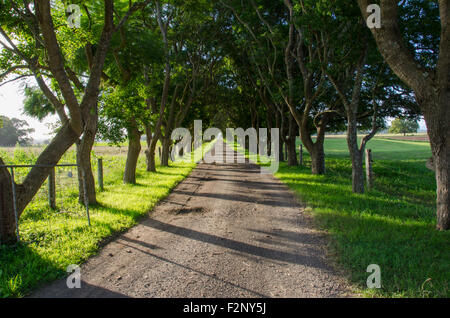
383	149
53	239
392	225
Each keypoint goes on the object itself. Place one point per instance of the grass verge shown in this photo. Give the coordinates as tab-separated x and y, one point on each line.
53	239
392	225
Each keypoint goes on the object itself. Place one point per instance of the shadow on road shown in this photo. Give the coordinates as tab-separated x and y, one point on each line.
277	255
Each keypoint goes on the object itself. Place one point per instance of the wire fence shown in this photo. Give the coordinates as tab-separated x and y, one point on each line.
105	171
56	201
57	207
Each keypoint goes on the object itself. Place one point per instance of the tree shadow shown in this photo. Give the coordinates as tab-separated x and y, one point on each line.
22	270
408	253
282	202
59	289
295	237
267	253
248	184
335	192
191	269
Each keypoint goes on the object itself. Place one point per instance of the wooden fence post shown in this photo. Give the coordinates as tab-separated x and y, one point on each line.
100	173
369	173
52	189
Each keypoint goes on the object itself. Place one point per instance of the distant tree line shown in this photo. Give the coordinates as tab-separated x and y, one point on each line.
14	131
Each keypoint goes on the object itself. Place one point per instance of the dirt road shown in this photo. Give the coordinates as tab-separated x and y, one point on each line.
225	231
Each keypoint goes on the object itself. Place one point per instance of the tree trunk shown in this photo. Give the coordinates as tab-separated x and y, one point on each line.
134	149
165	151
85	169
430	87
318	159
150	159
290	143
269	131
315	149
292	152
430	164
442	181
281	152
439	134
25	192
357	171
72	128
148	153
7	219
84	148
356	156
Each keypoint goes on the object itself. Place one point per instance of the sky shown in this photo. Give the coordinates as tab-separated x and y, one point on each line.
11	105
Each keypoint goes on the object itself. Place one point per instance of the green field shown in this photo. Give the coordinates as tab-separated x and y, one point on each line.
53	239
392	225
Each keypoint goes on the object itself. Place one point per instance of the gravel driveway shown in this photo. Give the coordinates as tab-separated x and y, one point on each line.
226	231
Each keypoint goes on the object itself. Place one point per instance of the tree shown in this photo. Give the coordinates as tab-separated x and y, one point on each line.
367	90
14	131
269	36
36	104
163	19
35	43
403	126
134	50
419	54
123	115
347	71
194	38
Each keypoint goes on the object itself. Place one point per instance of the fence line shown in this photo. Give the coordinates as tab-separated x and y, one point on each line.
51	186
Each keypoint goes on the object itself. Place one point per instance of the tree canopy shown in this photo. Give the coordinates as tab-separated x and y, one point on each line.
14	131
135	68
403	126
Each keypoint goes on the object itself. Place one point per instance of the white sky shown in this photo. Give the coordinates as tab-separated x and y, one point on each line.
11	105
